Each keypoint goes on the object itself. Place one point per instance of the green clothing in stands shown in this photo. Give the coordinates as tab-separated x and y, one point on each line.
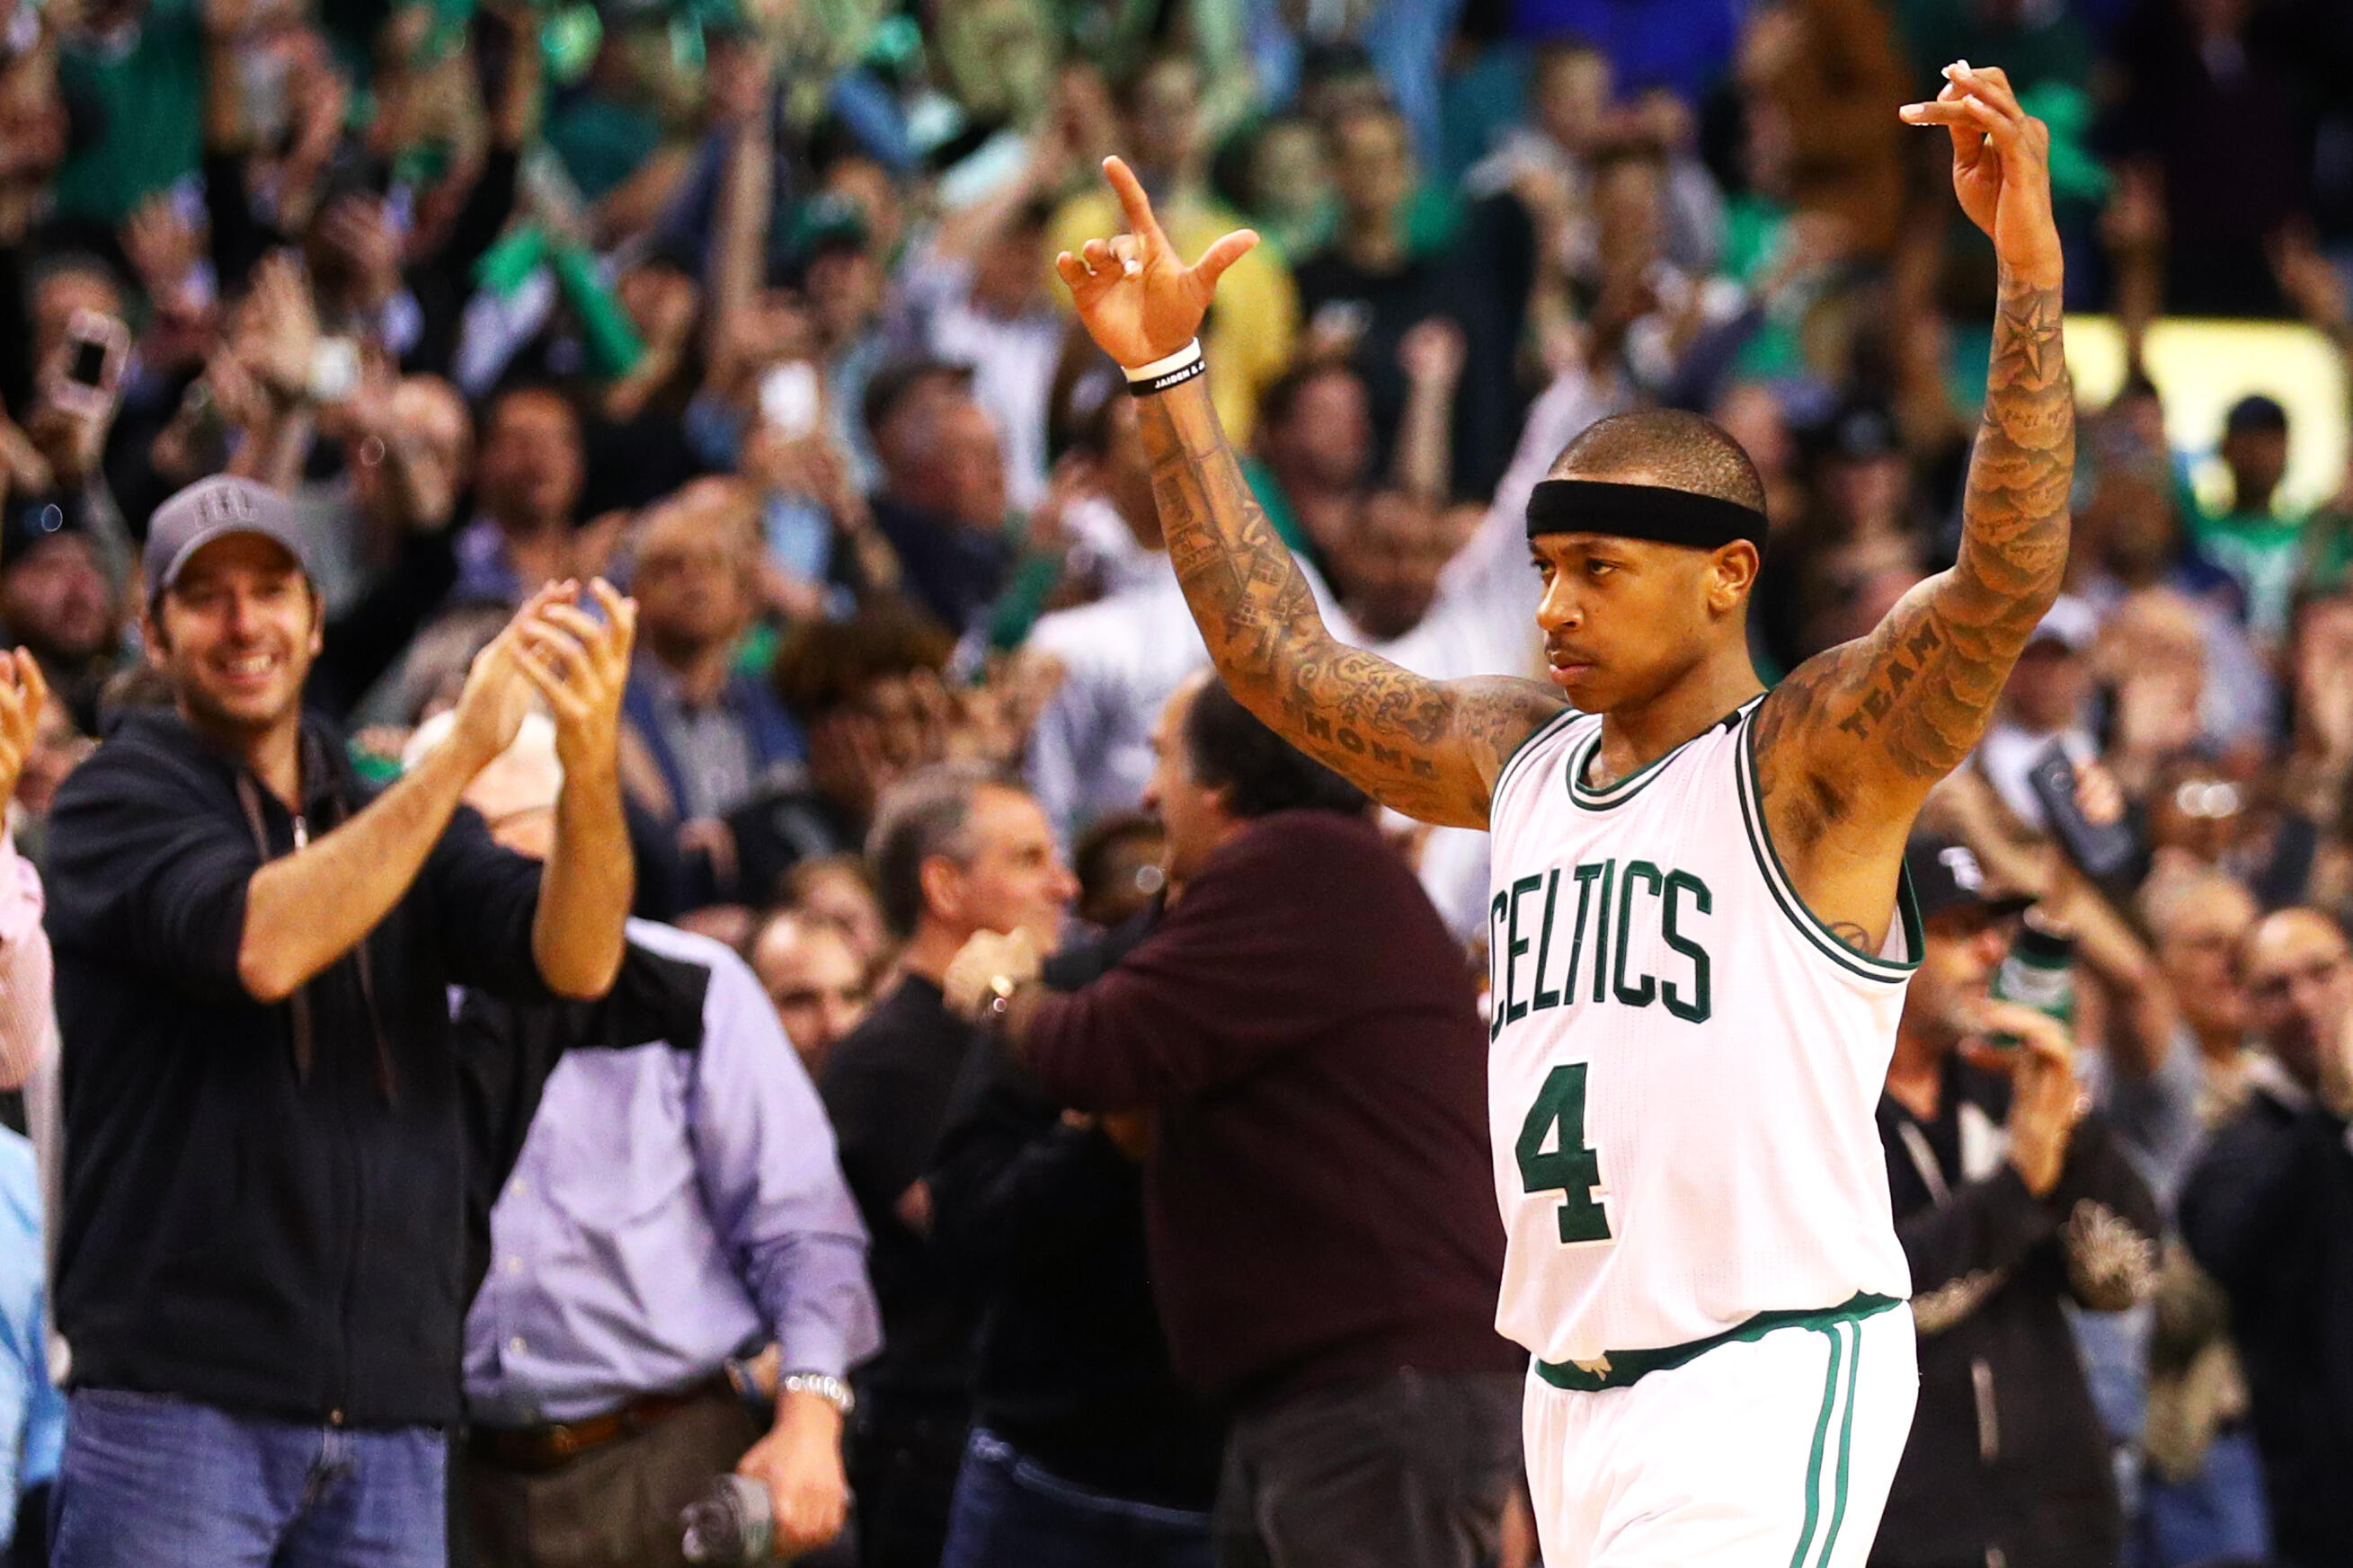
1755	228
2265	552
150	110
1026	588
1939	31
2328	550
602	144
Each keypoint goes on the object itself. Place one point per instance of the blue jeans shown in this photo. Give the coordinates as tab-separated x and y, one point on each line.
154	1482
2217	1515
1008	1513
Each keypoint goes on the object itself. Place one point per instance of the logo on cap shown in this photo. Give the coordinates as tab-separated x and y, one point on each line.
228	506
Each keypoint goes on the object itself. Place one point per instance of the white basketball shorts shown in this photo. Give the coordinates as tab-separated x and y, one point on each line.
1776	1452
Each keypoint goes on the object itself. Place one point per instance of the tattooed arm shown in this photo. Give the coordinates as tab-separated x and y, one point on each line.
1431	749
1849	746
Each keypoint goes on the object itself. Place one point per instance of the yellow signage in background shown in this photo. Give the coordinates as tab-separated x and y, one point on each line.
2201	367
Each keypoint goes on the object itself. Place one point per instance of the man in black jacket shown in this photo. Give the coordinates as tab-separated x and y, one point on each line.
1085	1448
2009	1201
260	1266
954	851
2268	1212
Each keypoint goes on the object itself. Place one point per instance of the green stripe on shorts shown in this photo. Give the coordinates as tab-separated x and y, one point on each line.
1846	1347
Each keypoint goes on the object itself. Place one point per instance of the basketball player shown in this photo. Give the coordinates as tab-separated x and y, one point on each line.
1699	956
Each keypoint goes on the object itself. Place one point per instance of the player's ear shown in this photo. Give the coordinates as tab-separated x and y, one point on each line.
1732	573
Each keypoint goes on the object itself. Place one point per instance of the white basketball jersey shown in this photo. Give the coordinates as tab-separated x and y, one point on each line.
1685	1062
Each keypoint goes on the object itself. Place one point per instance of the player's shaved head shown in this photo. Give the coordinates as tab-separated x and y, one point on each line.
1639	588
1664	447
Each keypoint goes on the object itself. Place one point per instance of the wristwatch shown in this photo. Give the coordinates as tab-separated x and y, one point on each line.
825	1386
1001	988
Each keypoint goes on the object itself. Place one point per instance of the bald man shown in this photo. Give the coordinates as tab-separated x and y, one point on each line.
2197	921
814	979
674	1197
2269	1213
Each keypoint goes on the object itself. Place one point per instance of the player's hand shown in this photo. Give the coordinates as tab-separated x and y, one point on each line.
1139	301
2001	168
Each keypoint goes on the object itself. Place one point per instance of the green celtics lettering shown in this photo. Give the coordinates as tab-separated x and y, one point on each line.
1577	934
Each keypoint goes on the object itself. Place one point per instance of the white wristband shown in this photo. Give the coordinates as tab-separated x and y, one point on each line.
1161	367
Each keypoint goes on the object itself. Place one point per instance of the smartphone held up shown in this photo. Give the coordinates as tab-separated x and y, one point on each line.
90	368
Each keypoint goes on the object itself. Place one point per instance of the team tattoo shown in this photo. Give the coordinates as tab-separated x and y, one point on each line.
1907	703
1854	737
1427	748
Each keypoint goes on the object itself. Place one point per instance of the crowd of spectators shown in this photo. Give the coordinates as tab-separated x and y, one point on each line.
747	306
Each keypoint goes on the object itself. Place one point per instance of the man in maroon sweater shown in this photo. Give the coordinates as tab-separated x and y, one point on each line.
1321	1214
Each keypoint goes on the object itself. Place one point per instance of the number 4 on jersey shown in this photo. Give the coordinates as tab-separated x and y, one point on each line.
1569	1167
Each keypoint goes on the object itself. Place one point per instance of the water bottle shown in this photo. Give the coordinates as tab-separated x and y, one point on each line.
2038	970
734	1522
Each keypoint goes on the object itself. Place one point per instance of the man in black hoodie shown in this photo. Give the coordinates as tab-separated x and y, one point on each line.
2010	1201
1085	1450
260	1263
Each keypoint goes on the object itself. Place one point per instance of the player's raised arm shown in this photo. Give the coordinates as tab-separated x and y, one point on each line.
1431	749
1849	746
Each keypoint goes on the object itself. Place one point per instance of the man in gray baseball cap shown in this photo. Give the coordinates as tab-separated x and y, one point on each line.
261	1238
211	508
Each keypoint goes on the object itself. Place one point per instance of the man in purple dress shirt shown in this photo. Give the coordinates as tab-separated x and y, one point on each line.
676	1202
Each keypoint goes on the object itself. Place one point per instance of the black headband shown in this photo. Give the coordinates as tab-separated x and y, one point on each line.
1656	512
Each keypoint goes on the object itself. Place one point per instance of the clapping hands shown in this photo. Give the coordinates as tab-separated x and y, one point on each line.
574	663
579	664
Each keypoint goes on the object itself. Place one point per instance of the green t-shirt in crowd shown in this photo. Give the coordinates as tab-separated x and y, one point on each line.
602	144
150	103
2328	550
2055	47
1754	229
2265	552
